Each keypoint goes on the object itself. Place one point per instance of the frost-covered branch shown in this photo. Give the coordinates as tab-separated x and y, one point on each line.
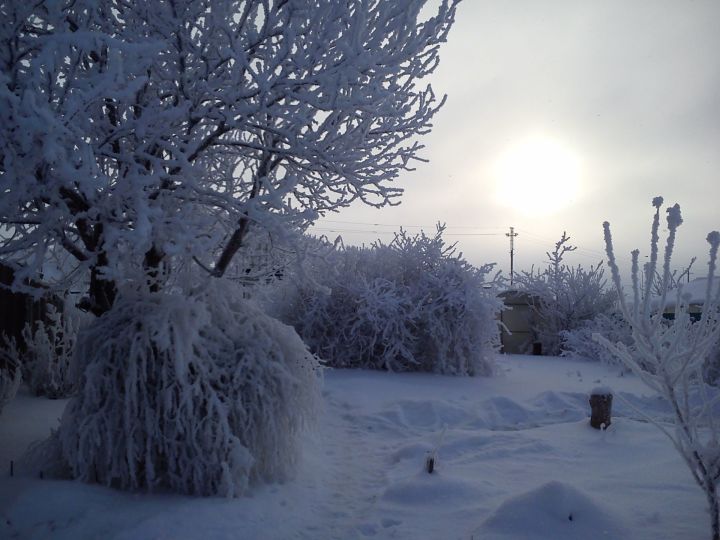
565	298
670	356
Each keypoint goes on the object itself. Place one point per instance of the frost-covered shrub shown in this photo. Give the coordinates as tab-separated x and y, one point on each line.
670	356
565	297
47	362
410	305
203	394
579	342
10	373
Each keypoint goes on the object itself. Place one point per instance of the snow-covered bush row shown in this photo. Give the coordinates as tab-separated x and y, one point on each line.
671	357
565	297
579	342
410	305
49	349
200	393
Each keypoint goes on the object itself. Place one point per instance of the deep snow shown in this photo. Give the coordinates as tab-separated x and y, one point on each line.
516	460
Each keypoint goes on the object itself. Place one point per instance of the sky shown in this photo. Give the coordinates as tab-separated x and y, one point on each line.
605	104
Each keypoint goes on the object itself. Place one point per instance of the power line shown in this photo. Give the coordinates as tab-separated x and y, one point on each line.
397	225
529	236
581	251
369	231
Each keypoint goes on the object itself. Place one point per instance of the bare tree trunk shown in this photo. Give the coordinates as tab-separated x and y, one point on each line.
231	248
102	291
714	507
236	240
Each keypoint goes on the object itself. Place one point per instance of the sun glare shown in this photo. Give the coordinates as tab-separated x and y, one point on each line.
539	176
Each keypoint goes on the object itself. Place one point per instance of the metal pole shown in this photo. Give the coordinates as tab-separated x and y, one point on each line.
512	234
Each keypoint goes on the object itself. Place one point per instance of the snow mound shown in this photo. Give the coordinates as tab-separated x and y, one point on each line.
554	510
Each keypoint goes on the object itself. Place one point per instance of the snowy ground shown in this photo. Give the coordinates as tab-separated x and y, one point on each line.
516	460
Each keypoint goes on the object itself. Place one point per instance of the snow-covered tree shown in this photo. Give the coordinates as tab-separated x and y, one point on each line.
135	132
564	297
670	356
411	305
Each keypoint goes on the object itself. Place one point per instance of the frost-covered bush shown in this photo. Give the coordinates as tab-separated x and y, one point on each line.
580	342
670	357
10	372
565	297
47	362
410	305
201	393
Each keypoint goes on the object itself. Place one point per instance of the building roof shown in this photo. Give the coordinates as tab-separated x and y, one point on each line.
693	292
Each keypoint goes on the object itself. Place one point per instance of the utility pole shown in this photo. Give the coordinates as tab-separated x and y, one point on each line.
512	234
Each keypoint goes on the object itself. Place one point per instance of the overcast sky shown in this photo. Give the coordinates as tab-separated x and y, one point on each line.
630	89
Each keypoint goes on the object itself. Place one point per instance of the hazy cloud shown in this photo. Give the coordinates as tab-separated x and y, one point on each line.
632	87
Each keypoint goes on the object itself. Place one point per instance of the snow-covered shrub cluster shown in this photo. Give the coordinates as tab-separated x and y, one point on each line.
200	393
565	297
670	356
579	342
410	305
49	351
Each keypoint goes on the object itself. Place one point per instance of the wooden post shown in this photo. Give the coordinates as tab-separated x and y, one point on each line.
600	408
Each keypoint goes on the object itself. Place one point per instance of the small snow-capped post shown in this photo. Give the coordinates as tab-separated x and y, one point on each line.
600	407
430	463
431	459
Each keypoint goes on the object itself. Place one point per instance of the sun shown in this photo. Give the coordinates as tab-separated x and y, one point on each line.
537	176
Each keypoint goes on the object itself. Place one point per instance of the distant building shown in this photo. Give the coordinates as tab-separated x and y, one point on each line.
693	294
517	330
